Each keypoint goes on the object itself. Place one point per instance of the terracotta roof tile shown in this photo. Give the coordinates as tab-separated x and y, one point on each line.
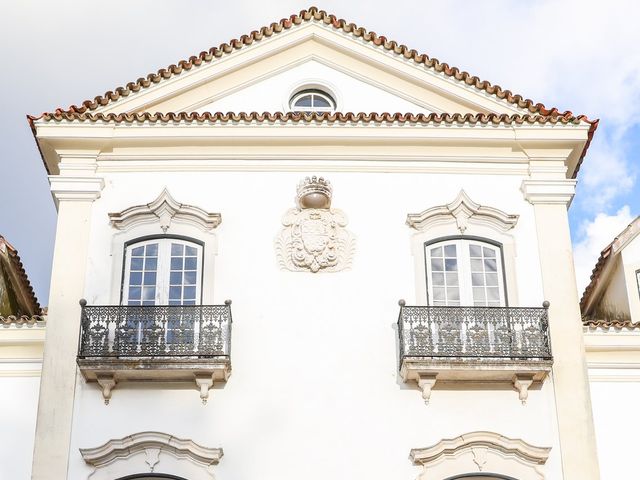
28	300
22	320
313	13
607	324
323	117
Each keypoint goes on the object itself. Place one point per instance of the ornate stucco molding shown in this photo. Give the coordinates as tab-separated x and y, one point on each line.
314	238
549	191
164	210
481	452
148	452
463	210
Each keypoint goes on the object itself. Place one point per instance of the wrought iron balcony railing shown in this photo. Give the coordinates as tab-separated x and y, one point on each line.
127	332
505	333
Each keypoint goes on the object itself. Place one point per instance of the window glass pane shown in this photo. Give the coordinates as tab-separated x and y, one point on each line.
151	263
175	293
177	250
450	251
438	294
189	302
135	278
190	278
453	294
489	252
477	279
176	263
304	101
190	251
478	294
436	265
437	278
137	252
150	278
149	293
436	252
492	279
136	263
189	292
152	250
134	293
451	264
452	279
476	265
190	263
475	250
175	278
490	265
318	101
493	293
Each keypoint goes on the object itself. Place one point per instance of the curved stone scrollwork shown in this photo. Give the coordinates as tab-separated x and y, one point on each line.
463	210
481	452
164	210
314	238
151	452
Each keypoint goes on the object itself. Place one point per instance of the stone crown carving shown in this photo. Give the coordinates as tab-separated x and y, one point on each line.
463	210
165	209
150	443
314	238
314	192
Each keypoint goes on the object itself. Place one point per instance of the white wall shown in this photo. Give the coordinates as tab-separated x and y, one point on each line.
273	93
315	390
616	425
19	400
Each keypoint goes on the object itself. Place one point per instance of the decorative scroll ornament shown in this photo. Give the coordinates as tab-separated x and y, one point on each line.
314	237
463	210
164	210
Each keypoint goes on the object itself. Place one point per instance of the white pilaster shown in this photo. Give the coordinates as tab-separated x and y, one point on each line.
550	199
74	195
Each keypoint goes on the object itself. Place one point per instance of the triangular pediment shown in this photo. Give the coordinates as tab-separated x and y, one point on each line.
257	73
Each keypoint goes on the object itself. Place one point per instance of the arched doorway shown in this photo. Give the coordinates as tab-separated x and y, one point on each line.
481	476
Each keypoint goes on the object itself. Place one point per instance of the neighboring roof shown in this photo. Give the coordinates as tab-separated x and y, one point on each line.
17	299
606	258
537	112
608	324
21	320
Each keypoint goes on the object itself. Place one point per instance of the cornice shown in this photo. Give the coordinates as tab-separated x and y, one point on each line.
549	191
70	188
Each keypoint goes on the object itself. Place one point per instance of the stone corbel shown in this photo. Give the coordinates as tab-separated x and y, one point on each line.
426	383
522	383
107	383
204	383
549	191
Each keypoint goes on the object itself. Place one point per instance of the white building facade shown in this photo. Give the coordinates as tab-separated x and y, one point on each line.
314	220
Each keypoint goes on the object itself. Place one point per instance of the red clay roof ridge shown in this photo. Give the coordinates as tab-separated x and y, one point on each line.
310	14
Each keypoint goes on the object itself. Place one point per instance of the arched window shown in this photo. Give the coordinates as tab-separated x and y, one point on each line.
308	101
162	271
465	271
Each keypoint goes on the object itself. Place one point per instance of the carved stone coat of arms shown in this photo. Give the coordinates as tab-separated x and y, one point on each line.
314	239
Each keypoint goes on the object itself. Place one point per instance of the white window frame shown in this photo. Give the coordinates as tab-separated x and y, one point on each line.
464	272
313	93
163	270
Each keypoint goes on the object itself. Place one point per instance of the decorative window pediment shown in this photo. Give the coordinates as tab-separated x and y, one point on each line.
164	210
462	210
151	452
481	452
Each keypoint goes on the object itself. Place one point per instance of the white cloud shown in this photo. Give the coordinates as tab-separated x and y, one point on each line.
596	235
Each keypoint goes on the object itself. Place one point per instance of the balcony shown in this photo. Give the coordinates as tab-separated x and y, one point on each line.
477	345
155	343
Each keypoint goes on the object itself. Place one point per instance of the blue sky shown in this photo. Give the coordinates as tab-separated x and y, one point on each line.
579	55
